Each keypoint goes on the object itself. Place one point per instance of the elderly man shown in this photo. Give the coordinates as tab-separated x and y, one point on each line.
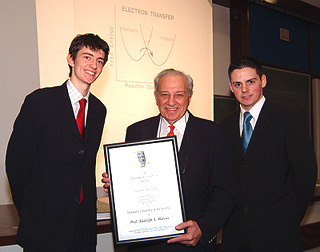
204	158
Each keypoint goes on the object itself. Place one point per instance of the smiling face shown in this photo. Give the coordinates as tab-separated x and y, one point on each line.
247	86
86	68
172	98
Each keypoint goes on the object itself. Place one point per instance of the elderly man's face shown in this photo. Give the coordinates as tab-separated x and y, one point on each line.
172	98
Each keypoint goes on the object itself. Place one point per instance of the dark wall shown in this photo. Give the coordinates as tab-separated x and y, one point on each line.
315	48
265	43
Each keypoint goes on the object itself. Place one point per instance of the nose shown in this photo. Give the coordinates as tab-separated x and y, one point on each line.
93	64
244	88
171	100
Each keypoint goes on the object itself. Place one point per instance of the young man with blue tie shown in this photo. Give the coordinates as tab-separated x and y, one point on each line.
275	167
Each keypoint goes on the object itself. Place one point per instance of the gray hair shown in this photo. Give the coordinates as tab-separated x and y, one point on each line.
172	71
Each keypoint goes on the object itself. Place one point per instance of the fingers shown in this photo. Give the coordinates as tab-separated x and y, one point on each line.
105	178
192	236
106	181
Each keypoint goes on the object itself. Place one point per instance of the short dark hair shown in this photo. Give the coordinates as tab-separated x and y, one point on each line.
91	41
172	71
246	61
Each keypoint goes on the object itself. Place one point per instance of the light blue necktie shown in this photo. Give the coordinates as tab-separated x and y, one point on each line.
247	131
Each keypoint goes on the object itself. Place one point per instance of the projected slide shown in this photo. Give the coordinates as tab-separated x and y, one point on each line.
129	34
143	38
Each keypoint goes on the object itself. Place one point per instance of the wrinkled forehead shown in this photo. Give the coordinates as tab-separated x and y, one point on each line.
173	82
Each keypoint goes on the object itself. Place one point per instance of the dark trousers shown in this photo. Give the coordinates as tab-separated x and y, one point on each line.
80	241
245	245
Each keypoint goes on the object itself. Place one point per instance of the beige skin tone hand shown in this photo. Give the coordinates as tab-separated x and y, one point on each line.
106	181
192	236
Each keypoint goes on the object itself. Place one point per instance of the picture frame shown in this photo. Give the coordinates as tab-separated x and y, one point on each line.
145	193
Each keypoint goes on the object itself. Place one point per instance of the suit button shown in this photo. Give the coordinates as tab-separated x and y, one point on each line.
77	200
244	187
81	152
246	209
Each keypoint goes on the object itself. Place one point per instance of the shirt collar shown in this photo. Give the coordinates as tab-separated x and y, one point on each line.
179	125
74	94
255	110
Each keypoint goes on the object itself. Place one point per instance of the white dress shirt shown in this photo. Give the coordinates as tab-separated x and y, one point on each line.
75	96
254	111
180	126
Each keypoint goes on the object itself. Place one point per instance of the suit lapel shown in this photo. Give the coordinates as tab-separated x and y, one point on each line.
92	112
236	131
66	111
185	148
233	127
152	131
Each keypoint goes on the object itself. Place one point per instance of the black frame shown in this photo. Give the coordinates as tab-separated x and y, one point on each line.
114	217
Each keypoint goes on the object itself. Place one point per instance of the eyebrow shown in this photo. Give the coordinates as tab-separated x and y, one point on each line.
86	53
90	54
251	79
236	82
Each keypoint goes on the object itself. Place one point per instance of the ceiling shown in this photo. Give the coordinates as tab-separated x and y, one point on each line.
226	3
312	2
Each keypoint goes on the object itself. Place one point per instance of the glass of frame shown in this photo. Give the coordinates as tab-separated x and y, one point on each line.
146	199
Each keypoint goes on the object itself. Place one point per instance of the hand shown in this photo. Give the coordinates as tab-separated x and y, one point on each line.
106	180
192	236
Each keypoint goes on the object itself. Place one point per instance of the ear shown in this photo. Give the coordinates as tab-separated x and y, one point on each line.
70	60
230	86
264	80
155	97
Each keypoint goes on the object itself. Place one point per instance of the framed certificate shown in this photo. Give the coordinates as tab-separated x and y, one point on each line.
146	199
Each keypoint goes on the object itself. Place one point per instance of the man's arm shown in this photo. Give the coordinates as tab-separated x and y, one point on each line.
21	150
302	161
223	189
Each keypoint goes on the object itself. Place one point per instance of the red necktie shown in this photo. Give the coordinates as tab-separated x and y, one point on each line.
80	123
171	130
80	117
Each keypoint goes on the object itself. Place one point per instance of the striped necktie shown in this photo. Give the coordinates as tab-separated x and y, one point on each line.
247	130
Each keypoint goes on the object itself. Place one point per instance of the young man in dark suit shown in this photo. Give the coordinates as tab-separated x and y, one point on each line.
207	174
51	156
275	167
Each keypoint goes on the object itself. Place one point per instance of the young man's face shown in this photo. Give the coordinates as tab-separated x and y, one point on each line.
87	66
247	86
172	99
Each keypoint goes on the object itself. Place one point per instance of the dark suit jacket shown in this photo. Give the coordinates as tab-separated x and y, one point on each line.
46	163
276	179
208	183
